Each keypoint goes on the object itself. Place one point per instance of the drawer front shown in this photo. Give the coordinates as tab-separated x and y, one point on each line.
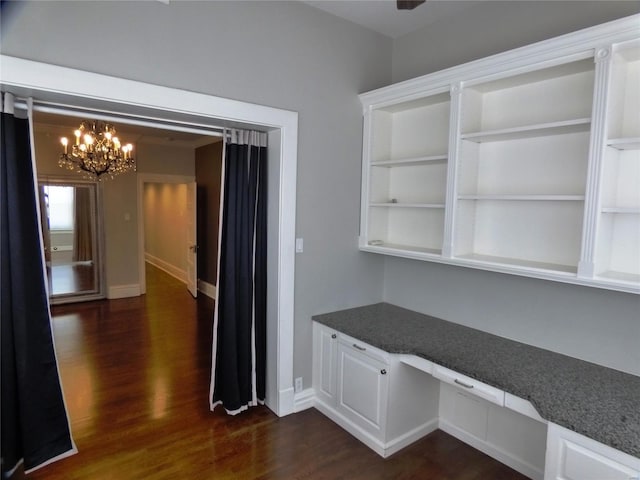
582	464
469	385
571	456
364	348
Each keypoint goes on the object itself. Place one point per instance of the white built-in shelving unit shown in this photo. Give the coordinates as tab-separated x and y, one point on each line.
527	162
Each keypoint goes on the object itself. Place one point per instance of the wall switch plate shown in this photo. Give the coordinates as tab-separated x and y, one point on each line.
298	385
299	245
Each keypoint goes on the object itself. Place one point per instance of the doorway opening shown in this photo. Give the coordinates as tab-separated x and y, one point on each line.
54	86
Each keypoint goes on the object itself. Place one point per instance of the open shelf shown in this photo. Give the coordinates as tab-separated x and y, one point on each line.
530	131
402	248
525	198
408	205
620	276
624	97
416	227
538	102
628	143
622	210
408	162
544	232
417	129
517	262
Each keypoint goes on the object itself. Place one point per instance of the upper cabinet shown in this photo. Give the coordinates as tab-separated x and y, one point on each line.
617	254
527	162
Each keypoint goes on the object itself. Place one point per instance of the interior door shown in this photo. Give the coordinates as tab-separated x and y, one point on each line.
192	247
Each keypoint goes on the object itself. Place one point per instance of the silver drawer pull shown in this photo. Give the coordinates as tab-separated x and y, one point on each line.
462	384
362	349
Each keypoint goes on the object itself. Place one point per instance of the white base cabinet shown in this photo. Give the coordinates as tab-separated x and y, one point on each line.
368	393
363	386
511	438
571	456
389	401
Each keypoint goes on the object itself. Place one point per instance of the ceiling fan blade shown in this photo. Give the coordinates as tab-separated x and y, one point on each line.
408	4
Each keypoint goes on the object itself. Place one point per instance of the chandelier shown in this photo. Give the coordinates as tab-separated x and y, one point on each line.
96	152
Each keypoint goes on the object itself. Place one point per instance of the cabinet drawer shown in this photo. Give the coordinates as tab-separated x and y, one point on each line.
364	348
469	384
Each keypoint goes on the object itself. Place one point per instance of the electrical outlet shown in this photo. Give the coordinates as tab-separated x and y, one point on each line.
298	385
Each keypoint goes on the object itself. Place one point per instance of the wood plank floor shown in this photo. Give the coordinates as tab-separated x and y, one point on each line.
136	377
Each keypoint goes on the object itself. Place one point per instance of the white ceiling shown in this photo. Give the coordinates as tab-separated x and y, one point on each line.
383	17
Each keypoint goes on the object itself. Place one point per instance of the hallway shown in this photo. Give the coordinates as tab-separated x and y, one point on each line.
136	378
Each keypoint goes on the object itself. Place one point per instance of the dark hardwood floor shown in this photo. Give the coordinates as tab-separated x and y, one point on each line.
69	278
136	378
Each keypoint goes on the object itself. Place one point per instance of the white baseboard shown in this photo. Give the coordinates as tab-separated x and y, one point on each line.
304	400
207	289
408	438
123	291
286	402
499	454
172	270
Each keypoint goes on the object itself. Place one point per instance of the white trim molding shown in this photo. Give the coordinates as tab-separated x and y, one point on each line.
304	400
207	289
61	86
123	291
176	272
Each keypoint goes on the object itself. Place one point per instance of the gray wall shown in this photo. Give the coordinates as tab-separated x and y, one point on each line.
288	55
596	325
492	27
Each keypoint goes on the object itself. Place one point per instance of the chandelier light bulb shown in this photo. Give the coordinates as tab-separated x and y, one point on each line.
64	142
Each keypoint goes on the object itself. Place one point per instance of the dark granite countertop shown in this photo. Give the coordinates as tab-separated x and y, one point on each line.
595	401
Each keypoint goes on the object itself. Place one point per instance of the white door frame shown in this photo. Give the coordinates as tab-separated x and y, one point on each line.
71	87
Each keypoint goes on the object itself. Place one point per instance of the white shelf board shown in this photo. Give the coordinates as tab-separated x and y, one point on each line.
396	247
476	257
627	210
530	131
407	205
619	276
527	198
560	273
627	143
409	162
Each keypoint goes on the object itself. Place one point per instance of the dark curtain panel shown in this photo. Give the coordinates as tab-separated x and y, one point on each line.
34	419
238	376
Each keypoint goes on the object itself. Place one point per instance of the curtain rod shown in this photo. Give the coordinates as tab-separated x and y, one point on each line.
130	119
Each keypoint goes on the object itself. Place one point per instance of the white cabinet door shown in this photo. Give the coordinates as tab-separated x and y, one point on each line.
571	456
325	355
363	384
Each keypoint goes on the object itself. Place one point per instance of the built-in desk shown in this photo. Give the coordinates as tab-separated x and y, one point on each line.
597	402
